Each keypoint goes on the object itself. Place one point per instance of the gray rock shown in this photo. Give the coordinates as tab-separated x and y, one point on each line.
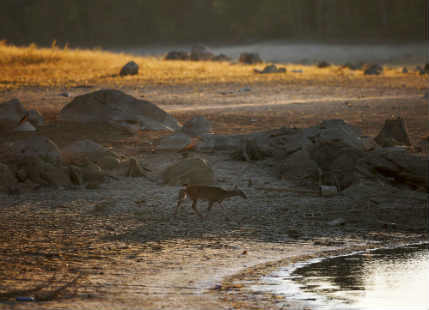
35	118
90	150
114	106
374	70
394	132
211	142
135	170
201	52
11	112
36	147
271	69
337	222
25	126
323	64
174	142
189	171
7	178
197	126
177	55
299	167
131	68
250	58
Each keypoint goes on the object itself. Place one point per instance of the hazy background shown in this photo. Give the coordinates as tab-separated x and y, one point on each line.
140	22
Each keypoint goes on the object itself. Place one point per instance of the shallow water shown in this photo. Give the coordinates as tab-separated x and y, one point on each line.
385	279
308	52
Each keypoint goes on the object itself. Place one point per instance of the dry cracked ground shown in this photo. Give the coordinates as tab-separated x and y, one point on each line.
119	247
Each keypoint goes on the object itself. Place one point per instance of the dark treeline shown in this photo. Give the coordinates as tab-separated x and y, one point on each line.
133	22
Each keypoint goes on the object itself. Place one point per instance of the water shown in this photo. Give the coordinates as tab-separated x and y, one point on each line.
308	52
384	279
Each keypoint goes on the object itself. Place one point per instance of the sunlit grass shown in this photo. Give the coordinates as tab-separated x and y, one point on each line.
64	67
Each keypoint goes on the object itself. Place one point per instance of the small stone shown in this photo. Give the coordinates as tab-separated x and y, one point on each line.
131	68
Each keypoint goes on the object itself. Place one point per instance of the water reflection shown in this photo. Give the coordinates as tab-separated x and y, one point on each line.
388	279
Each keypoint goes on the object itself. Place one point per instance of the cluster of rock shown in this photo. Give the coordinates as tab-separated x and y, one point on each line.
271	69
332	154
14	117
37	161
197	53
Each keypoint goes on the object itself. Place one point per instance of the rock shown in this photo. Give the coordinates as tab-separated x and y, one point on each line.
337	222
87	149
7	179
337	162
397	166
423	145
271	69
299	167
11	112
65	94
177	55
36	147
45	173
251	150
394	132
250	58
353	66
420	70
76	175
212	142
328	191
221	57
135	170
323	64
337	130
25	126
114	106
189	171
35	118
201	52
131	68
404	70
92	173
197	126
174	142
373	70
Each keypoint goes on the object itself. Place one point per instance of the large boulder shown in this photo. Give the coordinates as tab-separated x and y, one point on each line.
90	150
11	112
189	171
197	126
114	106
36	147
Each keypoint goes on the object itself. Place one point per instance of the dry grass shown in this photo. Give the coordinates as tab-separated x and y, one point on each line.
56	67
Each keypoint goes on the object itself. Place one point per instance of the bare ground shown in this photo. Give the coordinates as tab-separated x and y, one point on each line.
118	247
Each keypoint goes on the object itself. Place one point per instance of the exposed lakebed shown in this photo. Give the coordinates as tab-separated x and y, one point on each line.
383	279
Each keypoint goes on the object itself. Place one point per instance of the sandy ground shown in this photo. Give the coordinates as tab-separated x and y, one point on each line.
118	247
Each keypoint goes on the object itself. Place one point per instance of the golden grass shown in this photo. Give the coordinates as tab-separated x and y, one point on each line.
56	67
